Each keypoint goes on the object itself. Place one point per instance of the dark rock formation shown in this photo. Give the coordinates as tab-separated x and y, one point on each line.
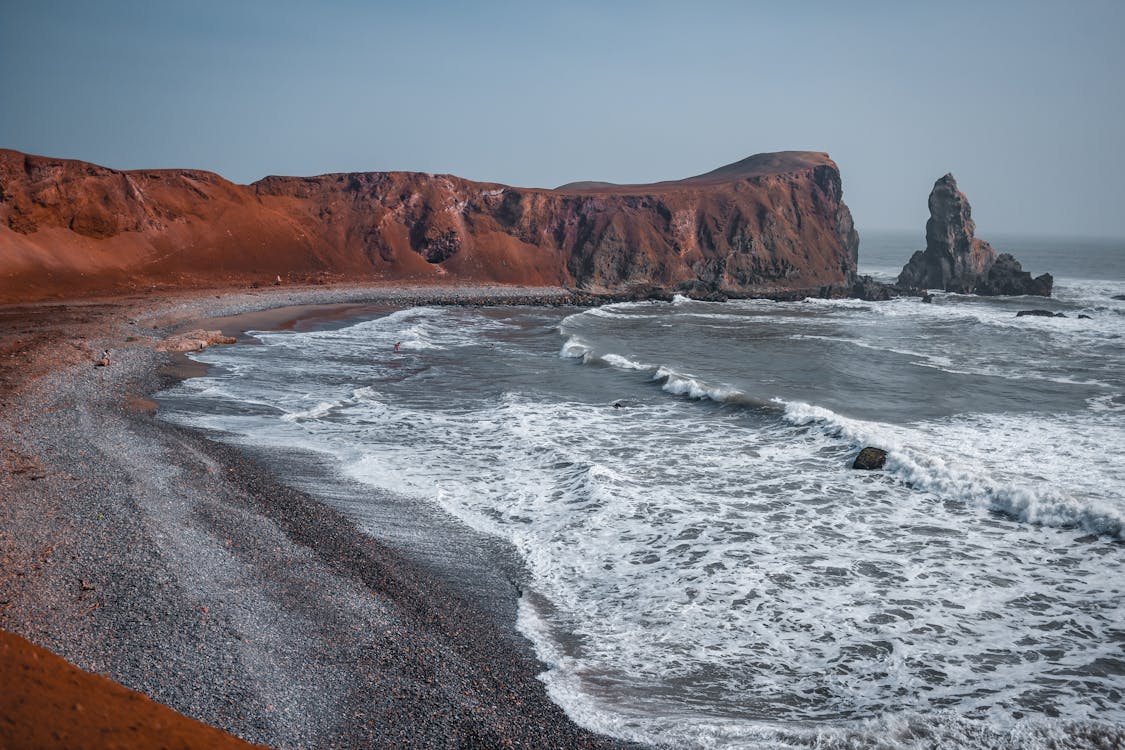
870	290
953	258
1006	276
772	224
927	298
870	459
956	261
1039	314
697	290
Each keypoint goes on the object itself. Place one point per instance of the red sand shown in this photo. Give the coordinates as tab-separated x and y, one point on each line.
48	703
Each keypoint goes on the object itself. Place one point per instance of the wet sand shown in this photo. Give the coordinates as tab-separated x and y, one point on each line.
184	569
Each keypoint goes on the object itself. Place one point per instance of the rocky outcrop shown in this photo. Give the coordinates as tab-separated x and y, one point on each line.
191	341
772	223
870	459
1006	276
956	261
1038	313
870	290
953	258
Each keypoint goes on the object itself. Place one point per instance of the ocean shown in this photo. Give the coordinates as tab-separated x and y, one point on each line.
701	566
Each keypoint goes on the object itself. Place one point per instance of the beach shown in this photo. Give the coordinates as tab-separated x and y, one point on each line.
185	570
698	564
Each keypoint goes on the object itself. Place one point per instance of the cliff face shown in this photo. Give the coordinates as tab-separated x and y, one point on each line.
769	223
956	261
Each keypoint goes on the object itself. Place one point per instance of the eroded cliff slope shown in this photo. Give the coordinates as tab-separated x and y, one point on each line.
769	223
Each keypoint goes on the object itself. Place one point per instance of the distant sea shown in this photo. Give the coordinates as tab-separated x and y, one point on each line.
703	567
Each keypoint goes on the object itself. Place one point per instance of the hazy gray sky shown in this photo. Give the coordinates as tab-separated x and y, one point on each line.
1023	101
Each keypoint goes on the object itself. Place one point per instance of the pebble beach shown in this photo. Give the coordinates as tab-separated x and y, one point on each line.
185	570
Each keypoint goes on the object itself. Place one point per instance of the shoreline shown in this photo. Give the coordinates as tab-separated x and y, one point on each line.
185	569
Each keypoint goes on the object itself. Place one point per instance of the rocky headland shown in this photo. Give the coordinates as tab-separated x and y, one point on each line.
771	224
956	261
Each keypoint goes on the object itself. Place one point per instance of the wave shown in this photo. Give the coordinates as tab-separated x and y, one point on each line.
567	688
1110	402
680	384
575	348
945	364
315	412
954	476
672	381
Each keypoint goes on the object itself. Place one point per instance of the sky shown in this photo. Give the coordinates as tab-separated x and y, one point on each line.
1023	101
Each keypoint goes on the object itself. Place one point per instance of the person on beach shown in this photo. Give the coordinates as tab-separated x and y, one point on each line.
104	361
398	344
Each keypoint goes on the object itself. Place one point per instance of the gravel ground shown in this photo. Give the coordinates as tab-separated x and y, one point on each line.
184	569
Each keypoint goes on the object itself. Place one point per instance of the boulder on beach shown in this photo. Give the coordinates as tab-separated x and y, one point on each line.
193	341
870	459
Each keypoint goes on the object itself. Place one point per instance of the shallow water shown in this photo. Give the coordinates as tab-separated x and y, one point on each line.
703	568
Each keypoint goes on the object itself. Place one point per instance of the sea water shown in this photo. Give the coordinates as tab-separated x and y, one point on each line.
703	568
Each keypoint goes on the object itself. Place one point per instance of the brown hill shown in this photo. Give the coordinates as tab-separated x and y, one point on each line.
768	223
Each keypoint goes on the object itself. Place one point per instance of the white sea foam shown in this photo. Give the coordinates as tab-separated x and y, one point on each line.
692	387
624	363
315	412
718	578
1035	469
574	348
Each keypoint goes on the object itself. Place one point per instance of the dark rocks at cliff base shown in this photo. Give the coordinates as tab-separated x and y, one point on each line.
698	290
1006	276
956	261
1039	314
870	459
870	290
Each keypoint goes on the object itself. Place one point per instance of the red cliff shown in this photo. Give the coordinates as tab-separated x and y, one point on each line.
769	223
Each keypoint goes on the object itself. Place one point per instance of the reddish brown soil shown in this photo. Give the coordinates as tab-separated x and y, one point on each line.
68	228
48	703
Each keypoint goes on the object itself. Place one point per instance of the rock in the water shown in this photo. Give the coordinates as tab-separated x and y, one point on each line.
1006	276
697	290
956	261
1118	296
1039	314
928	299
870	458
870	290
953	258
1085	317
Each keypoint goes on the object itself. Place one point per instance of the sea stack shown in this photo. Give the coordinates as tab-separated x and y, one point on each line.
956	261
